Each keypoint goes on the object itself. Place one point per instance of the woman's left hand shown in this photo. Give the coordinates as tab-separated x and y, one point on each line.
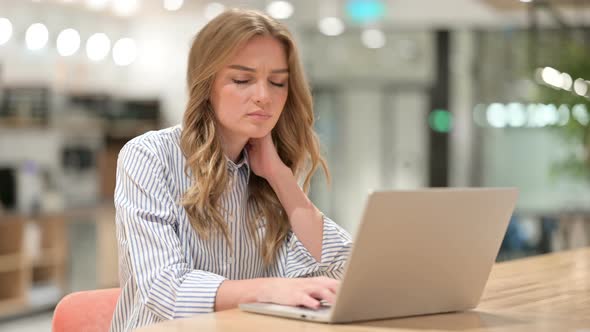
263	157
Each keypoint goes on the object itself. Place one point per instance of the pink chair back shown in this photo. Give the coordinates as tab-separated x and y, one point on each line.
87	311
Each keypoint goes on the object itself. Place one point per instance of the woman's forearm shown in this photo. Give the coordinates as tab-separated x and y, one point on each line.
233	292
305	218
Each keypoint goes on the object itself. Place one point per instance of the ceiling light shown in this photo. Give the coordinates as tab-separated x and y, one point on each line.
125	7
68	42
331	26
5	30
173	5
124	52
280	9
36	36
98	46
373	38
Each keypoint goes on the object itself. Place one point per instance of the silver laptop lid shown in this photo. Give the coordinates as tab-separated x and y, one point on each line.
423	251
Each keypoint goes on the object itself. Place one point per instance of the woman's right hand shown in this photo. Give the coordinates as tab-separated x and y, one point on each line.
306	292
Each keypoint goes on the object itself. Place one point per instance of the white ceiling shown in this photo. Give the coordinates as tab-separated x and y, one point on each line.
409	13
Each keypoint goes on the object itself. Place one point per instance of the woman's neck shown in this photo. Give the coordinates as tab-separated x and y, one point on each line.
233	146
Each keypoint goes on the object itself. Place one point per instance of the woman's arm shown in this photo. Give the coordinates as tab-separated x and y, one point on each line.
306	292
306	220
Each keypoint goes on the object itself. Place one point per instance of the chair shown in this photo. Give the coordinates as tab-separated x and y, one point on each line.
87	311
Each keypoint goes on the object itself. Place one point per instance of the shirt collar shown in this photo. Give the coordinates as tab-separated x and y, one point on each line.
242	164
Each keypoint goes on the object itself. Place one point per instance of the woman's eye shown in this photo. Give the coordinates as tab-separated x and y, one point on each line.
240	81
280	85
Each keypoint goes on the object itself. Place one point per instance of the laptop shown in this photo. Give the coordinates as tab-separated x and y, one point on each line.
415	253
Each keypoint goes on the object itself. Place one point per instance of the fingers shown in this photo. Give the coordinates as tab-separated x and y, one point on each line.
309	302
322	288
307	292
322	293
331	284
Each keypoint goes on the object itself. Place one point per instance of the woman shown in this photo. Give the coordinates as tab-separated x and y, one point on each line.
210	213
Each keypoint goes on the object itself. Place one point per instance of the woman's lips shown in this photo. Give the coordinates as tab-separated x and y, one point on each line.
259	116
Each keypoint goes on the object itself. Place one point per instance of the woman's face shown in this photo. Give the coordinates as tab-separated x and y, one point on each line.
249	93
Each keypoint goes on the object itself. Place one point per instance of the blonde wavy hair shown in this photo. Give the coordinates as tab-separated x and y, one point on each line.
294	136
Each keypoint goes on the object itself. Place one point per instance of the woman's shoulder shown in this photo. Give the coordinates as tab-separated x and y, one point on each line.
158	140
163	144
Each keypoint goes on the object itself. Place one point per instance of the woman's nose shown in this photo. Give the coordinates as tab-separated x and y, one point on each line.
261	95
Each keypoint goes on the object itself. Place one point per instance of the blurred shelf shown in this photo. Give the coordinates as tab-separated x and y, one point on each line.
32	263
12	262
16	122
11	234
13	290
49	257
129	128
25	105
12	307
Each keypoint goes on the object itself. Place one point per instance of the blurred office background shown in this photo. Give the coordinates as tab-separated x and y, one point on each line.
408	94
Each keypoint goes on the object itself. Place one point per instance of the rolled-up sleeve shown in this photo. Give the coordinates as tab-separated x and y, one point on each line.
152	256
336	245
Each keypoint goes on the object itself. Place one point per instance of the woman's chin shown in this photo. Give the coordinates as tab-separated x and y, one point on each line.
258	133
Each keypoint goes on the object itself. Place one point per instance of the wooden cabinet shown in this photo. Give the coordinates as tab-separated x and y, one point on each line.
14	273
106	245
32	258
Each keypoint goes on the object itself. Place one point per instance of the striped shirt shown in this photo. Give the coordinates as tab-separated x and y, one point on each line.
166	270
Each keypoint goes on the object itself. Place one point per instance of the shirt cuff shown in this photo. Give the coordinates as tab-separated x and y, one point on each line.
336	244
197	293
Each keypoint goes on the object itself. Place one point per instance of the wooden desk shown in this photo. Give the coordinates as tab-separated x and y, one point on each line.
543	293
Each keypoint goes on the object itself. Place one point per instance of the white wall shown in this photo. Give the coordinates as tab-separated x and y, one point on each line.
522	158
408	144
